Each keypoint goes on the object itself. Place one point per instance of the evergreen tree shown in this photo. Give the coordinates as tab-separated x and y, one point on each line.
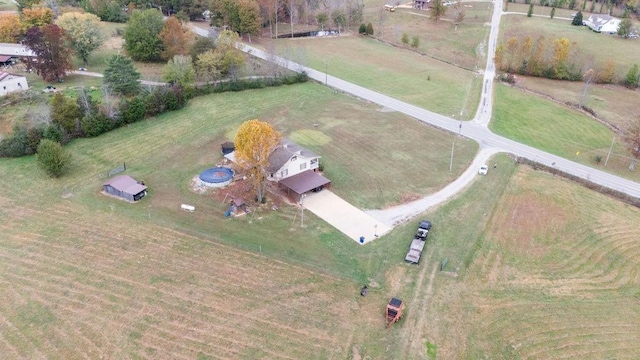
577	20
530	12
631	79
120	75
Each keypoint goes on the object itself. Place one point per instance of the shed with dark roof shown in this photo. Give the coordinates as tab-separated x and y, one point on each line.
125	187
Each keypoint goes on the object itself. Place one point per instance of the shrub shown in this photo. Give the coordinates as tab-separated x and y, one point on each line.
132	110
597	159
52	158
54	133
369	29
14	145
95	124
362	29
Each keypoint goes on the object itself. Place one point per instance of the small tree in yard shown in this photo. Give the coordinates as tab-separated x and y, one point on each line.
369	29
84	32
52	158
577	20
322	19
415	41
405	38
530	12
255	141
120	75
438	10
553	12
362	29
458	14
53	56
631	80
179	71
624	29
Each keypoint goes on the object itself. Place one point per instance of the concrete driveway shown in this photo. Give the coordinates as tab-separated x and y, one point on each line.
345	217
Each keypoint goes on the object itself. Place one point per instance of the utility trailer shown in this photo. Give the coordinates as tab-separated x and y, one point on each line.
418	243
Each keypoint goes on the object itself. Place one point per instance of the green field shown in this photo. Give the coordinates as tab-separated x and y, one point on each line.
555	128
402	74
84	275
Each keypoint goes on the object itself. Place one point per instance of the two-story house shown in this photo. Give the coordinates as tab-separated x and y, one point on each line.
290	159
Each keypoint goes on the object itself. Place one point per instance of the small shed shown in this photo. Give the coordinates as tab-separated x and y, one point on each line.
228	147
299	184
125	187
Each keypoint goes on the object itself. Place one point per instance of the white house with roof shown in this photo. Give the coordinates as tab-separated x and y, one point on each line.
603	23
15	50
289	159
12	83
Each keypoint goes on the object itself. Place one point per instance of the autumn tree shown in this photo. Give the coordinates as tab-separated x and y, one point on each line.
179	71
242	16
562	50
255	141
120	75
176	39
26	4
84	31
607	73
438	10
53	56
10	28
207	67
52	158
36	16
142	36
231	60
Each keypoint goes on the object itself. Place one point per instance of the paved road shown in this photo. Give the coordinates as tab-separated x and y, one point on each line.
476	129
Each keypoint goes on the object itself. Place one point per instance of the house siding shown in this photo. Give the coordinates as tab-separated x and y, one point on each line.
292	167
12	83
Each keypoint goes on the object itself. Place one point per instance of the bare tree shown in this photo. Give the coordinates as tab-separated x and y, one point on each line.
109	103
588	78
458	14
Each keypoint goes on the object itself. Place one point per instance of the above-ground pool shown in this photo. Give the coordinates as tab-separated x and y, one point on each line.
216	177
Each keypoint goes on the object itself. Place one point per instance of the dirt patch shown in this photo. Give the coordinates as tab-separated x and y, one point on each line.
113	43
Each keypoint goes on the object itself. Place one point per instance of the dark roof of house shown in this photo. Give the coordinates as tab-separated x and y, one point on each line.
126	184
285	151
305	181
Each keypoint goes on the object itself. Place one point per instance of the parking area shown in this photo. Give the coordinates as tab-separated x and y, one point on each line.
345	217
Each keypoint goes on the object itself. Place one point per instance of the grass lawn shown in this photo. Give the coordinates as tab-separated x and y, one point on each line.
402	74
552	127
611	102
463	47
551	267
593	49
137	280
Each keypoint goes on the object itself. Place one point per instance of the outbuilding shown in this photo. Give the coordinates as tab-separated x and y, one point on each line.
125	187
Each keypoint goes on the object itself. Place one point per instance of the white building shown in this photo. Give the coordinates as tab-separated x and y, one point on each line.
603	23
12	83
15	50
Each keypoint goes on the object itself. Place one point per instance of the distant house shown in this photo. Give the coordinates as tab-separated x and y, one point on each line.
289	159
15	50
603	23
12	83
421	4
125	187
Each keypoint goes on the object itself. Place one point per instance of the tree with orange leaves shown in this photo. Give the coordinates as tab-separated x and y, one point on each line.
10	28
36	16
255	141
176	39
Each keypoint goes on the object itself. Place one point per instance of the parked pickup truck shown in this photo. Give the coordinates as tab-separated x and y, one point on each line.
418	243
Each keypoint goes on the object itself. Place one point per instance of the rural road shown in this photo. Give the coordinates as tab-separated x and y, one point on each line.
476	129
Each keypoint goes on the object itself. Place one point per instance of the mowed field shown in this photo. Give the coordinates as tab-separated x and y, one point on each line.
538	268
84	275
558	129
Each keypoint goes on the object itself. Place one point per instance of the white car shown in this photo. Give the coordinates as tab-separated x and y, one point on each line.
483	170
